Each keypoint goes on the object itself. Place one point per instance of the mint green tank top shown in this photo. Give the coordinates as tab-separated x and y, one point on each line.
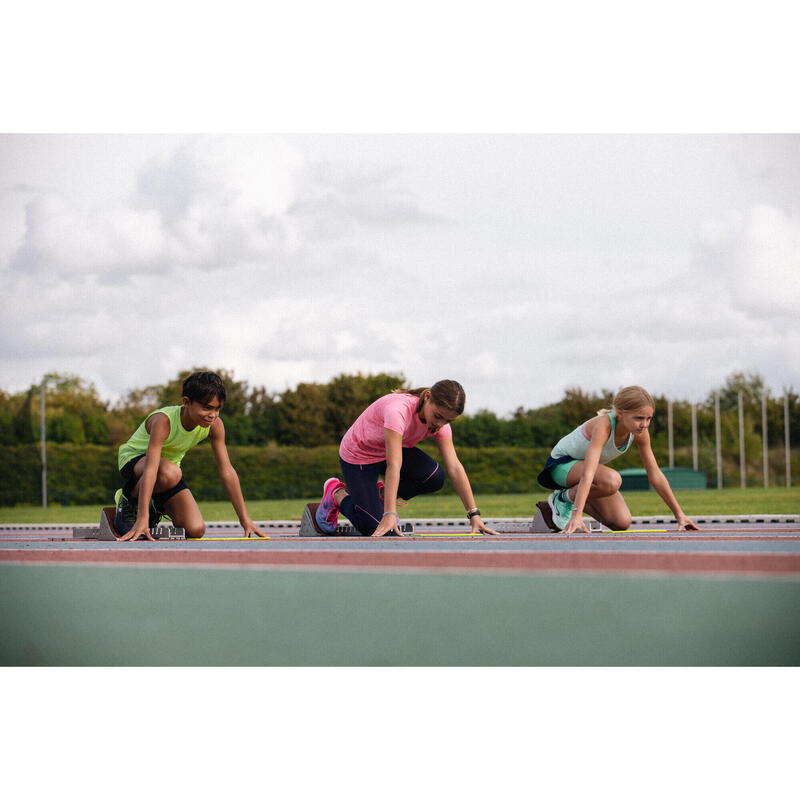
177	444
576	443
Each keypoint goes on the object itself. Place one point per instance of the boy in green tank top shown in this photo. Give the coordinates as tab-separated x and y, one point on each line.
150	464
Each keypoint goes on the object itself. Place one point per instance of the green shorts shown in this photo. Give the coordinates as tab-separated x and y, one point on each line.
560	471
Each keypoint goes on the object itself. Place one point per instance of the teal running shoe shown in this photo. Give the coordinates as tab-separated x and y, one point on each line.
560	508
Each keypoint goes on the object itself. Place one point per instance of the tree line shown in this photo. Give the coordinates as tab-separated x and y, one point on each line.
314	414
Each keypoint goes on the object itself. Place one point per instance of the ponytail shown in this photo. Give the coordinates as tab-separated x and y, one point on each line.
447	393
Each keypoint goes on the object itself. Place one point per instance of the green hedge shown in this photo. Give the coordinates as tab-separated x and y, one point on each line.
87	474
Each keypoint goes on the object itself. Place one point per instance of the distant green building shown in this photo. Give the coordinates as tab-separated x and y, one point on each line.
635	480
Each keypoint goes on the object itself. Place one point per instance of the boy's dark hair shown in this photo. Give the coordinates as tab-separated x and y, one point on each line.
202	386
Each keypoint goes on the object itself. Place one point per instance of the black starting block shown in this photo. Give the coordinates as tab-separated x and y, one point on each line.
309	527
105	532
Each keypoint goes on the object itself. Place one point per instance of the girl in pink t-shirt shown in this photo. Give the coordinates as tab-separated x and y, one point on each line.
382	440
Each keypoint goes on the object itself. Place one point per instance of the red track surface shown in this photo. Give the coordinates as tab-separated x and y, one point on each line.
756	563
767	550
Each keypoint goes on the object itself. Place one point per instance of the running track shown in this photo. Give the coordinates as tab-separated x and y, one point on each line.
728	595
746	546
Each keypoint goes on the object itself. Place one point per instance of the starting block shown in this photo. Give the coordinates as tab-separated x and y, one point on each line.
106	533
309	527
543	521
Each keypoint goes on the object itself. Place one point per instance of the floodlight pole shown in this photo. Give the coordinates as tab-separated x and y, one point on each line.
764	438
44	446
669	436
717	429
742	464
786	437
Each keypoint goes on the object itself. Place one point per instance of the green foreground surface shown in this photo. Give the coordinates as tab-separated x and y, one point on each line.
137	616
778	500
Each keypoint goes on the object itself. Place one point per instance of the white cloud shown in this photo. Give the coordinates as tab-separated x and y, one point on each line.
298	259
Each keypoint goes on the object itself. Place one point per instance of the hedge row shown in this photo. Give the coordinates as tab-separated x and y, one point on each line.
87	474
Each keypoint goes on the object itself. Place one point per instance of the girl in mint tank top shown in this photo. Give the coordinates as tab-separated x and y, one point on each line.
576	467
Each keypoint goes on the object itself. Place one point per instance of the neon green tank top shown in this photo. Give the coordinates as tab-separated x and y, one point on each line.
176	445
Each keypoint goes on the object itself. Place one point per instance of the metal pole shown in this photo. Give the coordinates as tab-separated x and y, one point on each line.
764	438
742	465
44	448
719	441
669	431
695	459
786	437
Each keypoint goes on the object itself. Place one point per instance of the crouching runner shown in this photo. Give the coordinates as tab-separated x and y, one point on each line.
150	464
382	441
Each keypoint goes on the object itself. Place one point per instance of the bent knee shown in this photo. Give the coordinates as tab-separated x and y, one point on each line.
621	522
436	481
607	483
195	531
169	474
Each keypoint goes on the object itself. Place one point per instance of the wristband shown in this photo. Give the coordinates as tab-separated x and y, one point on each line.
475	512
386	514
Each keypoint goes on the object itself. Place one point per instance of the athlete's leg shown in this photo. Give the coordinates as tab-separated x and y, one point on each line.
420	474
604	503
169	475
610	511
361	503
184	512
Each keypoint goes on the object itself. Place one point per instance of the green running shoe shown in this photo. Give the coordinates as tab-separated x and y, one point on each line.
125	515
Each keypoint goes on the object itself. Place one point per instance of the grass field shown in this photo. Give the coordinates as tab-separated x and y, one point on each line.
778	500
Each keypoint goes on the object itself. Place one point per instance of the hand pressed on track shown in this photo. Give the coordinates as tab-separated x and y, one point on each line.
478	526
136	532
389	522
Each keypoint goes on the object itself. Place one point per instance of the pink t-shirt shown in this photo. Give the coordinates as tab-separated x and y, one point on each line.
364	442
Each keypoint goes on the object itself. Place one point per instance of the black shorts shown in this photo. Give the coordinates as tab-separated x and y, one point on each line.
129	480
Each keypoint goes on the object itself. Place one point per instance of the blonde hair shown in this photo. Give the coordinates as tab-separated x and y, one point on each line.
629	399
448	394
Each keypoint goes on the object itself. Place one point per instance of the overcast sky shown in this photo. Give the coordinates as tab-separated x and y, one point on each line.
517	264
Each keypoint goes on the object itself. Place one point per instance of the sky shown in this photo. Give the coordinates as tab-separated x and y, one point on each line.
500	203
518	264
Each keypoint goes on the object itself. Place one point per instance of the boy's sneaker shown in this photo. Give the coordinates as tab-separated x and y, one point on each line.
125	515
154	516
328	512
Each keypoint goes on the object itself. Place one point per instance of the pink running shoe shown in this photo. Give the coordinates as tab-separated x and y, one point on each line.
328	512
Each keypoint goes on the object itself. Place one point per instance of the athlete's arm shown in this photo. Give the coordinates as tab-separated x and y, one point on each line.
599	429
659	482
158	428
458	477
394	461
230	478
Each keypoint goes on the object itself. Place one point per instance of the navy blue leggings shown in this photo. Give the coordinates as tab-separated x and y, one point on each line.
419	474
